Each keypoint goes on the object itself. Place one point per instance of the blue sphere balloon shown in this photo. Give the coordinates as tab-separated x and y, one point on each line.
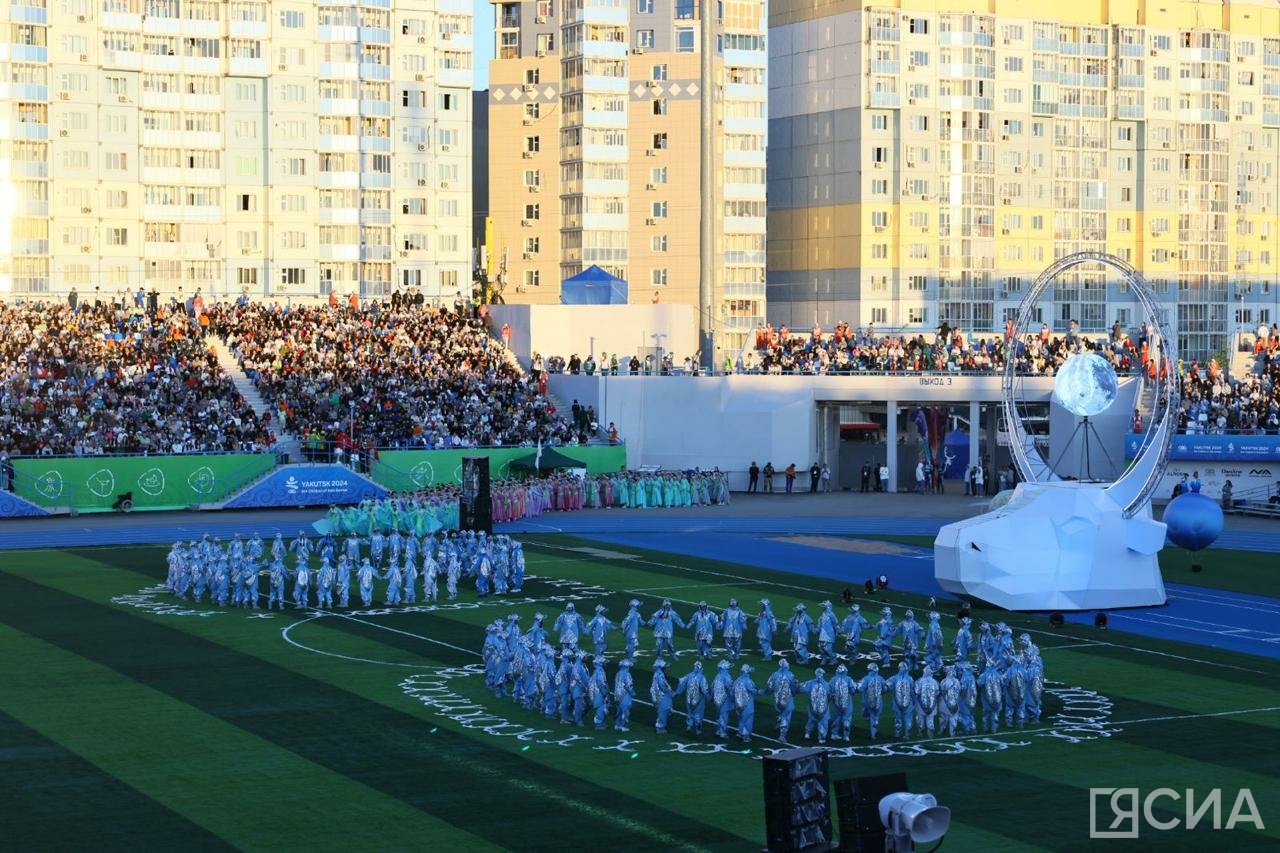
1193	520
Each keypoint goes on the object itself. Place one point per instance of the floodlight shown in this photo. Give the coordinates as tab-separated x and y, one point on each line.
911	819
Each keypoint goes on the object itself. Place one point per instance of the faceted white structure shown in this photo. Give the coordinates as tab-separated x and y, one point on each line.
1054	546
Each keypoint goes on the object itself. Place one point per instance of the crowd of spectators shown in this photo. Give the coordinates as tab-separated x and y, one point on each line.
1213	404
407	376
115	377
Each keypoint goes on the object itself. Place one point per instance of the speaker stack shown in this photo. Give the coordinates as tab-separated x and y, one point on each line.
797	801
858	807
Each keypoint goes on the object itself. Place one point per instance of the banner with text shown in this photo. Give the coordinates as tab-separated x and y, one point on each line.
308	485
1215	448
408	470
95	483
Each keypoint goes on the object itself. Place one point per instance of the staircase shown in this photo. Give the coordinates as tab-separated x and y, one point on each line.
1242	363
285	442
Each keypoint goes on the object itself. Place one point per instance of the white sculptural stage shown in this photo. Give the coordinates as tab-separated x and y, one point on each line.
1054	546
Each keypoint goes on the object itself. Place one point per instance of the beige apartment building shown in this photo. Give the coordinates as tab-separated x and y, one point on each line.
594	151
929	158
276	148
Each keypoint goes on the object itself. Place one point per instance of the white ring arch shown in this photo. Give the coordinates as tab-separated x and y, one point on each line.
1135	486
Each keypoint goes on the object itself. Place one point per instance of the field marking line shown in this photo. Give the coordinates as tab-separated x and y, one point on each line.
1199	625
1209	593
864	598
1270	610
284	632
1169	717
647	589
1083	645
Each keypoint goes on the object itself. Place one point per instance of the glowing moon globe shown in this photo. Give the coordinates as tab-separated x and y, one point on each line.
1085	385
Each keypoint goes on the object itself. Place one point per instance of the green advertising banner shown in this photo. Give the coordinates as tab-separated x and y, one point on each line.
93	483
408	470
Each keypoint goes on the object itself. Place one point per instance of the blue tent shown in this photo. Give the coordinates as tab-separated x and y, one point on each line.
594	286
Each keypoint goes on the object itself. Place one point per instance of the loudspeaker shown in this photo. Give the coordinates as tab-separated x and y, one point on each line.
475	506
797	801
858	807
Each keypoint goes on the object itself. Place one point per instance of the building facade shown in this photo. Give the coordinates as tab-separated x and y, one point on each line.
594	150
929	159
275	148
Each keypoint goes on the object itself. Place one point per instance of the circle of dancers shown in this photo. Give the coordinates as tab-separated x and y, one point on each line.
319	571
927	695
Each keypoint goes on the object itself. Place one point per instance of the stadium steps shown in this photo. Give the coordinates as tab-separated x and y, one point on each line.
286	442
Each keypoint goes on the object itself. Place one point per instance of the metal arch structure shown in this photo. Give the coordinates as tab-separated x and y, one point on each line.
1134	488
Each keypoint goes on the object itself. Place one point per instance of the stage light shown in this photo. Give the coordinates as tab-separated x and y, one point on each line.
911	819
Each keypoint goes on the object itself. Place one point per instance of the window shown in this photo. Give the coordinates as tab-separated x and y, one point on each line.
659	141
1124	133
117	161
880	186
918	57
658	175
644	39
917	314
658	210
880	315
533	143
658	243
659	106
531	211
685	40
292	20
1160	72
918	26
532	245
879	251
659	72
248	202
658	277
644	7
917	282
879	121
531	278
118	236
1013	63
296	166
293	275
879	218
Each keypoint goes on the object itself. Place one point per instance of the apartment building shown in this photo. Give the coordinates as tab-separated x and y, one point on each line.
594	110
284	149
929	159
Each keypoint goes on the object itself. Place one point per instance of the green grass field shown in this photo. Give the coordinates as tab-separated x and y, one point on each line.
127	721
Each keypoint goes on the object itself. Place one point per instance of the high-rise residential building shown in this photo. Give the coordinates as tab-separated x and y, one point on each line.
278	148
929	159
594	150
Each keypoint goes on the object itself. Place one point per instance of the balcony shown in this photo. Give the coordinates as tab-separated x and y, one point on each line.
378	144
375	253
340	252
247	66
245	29
338	142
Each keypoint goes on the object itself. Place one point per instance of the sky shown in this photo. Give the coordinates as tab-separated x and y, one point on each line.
483	42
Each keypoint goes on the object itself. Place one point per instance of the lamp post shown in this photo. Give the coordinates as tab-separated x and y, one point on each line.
657	346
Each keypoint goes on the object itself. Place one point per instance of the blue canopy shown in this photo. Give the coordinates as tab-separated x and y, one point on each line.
594	286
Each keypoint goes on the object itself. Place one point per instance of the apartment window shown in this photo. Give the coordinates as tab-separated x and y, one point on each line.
1013	63
917	314
117	199
532	177
917	282
918	26
293	275
293	203
880	154
644	7
1124	133
532	278
660	141
918	57
658	210
533	143
117	161
879	251
659	106
879	121
532	245
685	40
531	76
880	186
295	166
879	218
532	211
880	315
658	243
658	175
292	20
248	202
118	236
658	277
658	72
645	39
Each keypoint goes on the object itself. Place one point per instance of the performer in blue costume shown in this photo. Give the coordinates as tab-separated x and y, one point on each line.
664	621
884	640
949	701
1015	693
703	623
991	690
968	697
902	686
927	701
598	690
872	689
819	705
277	576
801	626
911	633
364	576
827	628
694	687
624	693
324	584
660	692
631	627
782	686
964	639
843	691
722	697
852	627
579	687
568	626
598	629
733	623
933	643
744	702
766	626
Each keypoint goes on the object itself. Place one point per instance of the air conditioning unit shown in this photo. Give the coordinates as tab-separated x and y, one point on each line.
650	187
446	148
124	99
64	96
541	19
648	152
911	101
639	51
246	251
85	211
649	84
528	155
526	223
1005	201
879	229
528	88
62	133
80	19
877	164
1004	137
404	253
84	57
651	221
1004	231
422	148
422	39
910	165
911	68
1239	59
924	230
444	185
86	249
446	36
1155	53
1167	145
541	54
422	182
419	77
1017	170
527	256
282	67
534	188
1239	118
